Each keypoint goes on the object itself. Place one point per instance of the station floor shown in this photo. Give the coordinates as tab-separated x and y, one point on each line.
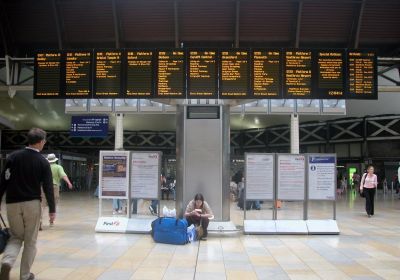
367	248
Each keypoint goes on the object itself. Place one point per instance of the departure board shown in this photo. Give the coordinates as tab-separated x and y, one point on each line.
171	78
234	74
107	83
362	75
267	71
77	78
47	75
139	73
202	74
297	74
330	81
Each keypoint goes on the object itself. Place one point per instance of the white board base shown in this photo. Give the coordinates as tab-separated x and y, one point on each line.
259	226
322	227
221	226
112	224
291	227
140	225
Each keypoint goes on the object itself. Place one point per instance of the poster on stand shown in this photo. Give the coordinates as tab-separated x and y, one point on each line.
291	177
259	178
145	174
321	177
114	176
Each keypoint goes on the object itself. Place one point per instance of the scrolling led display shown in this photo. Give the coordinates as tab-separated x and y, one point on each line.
108	74
330	81
171	74
139	74
234	74
362	75
266	73
202	74
78	80
297	74
47	75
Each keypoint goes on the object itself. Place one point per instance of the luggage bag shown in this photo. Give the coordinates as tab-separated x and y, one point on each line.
170	231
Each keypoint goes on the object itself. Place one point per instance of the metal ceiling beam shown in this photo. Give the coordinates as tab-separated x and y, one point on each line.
359	23
237	24
3	28
58	24
116	25
176	24
298	24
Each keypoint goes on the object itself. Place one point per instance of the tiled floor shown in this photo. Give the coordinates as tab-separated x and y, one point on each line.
367	248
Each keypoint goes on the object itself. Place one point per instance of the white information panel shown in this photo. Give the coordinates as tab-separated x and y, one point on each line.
113	175
291	177
259	176
145	174
321	177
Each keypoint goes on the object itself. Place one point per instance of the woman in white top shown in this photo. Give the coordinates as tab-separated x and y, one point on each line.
369	183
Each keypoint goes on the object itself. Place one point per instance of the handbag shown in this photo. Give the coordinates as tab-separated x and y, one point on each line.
361	192
199	232
4	235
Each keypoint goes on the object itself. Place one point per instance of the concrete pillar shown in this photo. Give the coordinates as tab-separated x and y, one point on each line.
119	132
294	134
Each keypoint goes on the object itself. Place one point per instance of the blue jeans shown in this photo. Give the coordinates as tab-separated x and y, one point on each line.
257	204
134	206
117	204
154	204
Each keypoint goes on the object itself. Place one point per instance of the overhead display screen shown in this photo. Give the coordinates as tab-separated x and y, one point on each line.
202	74
107	83
47	75
266	73
330	82
139	73
234	74
297	74
362	75
77	77
171	79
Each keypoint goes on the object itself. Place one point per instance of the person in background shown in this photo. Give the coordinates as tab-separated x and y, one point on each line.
58	174
117	206
25	173
356	181
369	183
198	212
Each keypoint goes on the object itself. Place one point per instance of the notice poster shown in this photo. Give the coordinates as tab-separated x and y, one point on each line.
145	174
291	178
114	174
259	176
321	177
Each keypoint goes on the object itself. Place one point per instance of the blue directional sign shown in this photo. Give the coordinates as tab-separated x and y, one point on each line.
89	126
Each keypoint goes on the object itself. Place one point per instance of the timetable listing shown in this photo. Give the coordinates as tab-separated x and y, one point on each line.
330	81
266	73
139	73
362	73
171	74
234	74
298	73
77	74
108	73
47	74
202	80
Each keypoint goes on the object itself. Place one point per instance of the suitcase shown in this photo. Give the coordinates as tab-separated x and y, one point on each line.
170	231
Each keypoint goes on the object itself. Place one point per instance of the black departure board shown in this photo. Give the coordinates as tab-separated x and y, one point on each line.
297	74
107	83
234	74
47	75
362	75
77	76
171	78
266	65
202	74
330	68
139	73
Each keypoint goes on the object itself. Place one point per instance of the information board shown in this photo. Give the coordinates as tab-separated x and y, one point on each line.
259	178
171	79
114	176
47	75
266	65
145	174
321	177
89	126
202	74
330	82
78	74
139	74
234	74
107	83
297	74
291	177
362	75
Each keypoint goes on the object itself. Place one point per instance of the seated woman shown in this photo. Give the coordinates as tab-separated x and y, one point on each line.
199	212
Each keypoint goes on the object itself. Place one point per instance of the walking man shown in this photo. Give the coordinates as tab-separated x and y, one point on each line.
26	171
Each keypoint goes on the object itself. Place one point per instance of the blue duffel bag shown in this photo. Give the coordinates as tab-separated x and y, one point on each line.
170	231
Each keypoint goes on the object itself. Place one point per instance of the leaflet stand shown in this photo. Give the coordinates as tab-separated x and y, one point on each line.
259	185
113	184
291	189
321	186
145	173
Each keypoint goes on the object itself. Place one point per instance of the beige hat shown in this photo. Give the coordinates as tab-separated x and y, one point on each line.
52	158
